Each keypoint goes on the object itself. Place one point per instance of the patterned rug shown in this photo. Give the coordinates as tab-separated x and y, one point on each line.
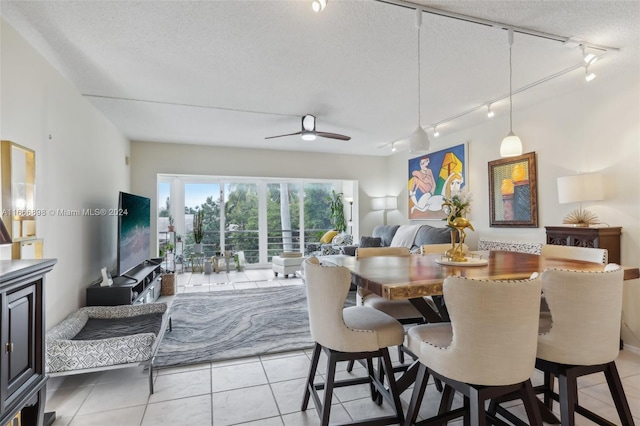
222	325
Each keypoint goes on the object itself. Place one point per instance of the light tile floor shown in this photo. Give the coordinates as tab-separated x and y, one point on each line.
262	391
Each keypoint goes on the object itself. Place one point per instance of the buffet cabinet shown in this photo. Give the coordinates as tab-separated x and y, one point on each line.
22	350
596	237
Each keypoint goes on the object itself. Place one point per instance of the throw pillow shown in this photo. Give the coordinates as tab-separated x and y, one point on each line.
338	239
405	235
328	236
370	241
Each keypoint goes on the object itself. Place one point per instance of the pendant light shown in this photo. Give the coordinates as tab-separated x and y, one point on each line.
511	145
419	141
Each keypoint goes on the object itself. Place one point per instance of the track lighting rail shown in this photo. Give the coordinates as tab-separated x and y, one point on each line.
495	24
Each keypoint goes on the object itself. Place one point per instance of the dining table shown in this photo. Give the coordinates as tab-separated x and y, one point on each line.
416	276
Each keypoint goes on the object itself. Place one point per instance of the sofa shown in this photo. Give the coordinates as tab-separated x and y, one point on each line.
410	236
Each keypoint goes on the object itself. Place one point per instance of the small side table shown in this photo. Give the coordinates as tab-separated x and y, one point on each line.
219	259
197	262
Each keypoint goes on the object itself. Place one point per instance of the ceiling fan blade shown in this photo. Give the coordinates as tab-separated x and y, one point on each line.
333	136
282	136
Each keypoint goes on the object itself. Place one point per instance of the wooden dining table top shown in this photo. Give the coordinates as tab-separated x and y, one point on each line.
408	277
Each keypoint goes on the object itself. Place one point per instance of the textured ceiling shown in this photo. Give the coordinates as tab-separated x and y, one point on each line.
230	73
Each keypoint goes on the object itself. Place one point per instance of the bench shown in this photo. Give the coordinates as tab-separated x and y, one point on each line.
518	246
98	338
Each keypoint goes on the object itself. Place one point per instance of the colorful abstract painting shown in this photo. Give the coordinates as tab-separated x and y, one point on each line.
434	177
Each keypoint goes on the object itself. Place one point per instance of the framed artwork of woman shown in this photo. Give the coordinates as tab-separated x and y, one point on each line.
434	177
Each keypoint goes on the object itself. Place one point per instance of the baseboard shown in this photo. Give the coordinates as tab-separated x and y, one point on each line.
633	349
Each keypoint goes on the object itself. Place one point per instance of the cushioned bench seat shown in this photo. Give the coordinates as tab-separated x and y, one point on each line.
97	338
287	264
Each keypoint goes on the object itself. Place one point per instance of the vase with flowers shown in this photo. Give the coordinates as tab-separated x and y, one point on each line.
457	208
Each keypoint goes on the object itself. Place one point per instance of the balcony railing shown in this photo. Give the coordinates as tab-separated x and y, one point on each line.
249	242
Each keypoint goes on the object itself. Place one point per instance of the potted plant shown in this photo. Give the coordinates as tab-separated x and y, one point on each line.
179	238
168	247
336	207
198	230
171	223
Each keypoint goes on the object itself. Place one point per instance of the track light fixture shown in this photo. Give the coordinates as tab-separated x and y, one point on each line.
588	75
589	58
318	5
490	113
436	133
511	145
393	147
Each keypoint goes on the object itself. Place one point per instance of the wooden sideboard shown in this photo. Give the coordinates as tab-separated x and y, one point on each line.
594	237
22	326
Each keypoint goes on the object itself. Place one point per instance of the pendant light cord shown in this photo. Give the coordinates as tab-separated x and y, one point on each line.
510	83
419	23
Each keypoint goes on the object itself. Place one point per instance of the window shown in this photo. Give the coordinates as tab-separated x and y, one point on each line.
203	196
261	217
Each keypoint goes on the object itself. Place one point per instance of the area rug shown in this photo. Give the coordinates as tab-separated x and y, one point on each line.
223	325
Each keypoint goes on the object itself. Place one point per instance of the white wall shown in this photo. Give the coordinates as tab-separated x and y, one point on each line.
80	163
594	129
150	159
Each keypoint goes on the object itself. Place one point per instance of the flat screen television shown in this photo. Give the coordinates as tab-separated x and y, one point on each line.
134	231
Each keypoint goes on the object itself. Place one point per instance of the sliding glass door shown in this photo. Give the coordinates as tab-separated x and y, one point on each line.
261	217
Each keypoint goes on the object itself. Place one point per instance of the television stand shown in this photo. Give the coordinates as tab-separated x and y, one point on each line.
140	285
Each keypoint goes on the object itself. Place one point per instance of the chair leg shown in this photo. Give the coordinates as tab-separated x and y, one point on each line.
328	388
446	401
568	386
476	408
380	379
374	392
400	355
393	386
350	366
416	397
549	380
312	373
531	404
617	393
466	421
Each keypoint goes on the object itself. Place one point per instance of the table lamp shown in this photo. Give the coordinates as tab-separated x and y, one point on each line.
578	189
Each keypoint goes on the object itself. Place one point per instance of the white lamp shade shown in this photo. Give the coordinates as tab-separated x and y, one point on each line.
391	203
378	203
384	203
579	188
419	141
318	5
511	146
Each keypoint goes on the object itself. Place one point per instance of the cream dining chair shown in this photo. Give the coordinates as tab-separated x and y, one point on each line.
583	338
356	332
402	310
486	351
588	254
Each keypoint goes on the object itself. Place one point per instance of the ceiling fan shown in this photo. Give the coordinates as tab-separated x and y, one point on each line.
309	132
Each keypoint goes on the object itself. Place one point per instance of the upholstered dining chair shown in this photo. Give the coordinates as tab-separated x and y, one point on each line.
583	338
487	350
402	310
356	332
588	254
